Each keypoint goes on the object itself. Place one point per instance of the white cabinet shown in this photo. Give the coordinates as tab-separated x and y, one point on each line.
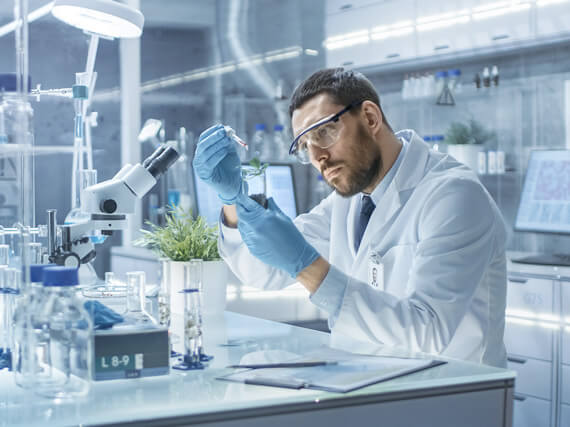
531	345
531	412
419	29
553	19
534	377
530	297
372	33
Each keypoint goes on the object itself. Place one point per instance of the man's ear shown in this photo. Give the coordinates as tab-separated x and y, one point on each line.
373	117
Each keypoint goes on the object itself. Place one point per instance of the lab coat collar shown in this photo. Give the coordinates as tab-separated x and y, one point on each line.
412	169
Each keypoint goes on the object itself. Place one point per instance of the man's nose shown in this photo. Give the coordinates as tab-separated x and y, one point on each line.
319	154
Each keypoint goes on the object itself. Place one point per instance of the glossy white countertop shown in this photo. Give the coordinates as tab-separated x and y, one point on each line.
198	395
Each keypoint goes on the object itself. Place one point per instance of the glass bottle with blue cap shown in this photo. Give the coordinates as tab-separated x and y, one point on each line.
64	331
24	359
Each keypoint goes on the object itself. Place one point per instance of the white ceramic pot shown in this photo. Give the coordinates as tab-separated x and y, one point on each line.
466	154
214	283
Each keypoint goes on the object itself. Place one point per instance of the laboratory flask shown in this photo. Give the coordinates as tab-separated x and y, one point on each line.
63	334
25	363
136	298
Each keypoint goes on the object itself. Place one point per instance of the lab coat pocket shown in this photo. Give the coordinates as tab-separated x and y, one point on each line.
398	262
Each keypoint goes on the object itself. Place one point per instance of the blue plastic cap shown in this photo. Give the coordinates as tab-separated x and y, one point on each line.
441	74
259	126
9	82
37	272
455	72
278	127
60	276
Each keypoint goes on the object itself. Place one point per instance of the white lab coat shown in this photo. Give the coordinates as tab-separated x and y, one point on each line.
442	242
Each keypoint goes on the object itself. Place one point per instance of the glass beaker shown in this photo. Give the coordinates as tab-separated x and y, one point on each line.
136	298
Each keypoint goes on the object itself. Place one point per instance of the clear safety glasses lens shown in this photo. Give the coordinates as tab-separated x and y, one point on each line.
323	137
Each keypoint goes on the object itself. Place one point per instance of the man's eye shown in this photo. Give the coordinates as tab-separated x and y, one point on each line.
322	132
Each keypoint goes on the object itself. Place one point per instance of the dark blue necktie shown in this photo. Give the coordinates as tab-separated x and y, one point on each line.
365	211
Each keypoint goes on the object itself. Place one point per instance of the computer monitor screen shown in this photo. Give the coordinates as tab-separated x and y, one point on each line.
545	199
280	186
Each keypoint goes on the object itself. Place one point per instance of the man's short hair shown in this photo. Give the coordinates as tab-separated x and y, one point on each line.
343	86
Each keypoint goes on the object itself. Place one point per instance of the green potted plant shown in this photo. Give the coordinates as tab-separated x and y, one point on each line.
181	239
465	141
256	169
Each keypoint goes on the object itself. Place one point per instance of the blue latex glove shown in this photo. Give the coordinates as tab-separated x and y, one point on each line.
272	237
103	317
217	163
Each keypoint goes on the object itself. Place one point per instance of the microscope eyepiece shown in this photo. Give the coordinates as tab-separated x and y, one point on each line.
159	164
154	155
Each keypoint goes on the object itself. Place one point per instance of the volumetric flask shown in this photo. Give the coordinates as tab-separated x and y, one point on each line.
136	297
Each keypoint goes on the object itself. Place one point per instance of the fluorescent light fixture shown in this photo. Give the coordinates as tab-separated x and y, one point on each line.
346	40
441	16
541	3
32	16
391	33
222	69
251	61
311	52
104	18
443	23
491	6
531	315
492	13
281	54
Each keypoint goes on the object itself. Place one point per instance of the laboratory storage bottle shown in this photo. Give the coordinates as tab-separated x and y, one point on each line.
259	142
64	336
26	372
280	146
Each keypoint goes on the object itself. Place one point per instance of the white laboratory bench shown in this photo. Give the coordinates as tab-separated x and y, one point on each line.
453	394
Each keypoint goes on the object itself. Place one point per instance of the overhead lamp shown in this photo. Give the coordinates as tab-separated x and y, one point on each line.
105	18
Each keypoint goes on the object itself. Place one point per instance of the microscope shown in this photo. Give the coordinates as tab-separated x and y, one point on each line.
107	203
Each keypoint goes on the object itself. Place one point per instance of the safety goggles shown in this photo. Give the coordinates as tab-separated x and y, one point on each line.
322	134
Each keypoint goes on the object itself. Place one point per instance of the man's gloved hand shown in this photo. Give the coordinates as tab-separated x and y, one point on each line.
271	236
217	163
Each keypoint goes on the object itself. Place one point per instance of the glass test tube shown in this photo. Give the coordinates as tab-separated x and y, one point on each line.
192	311
164	293
34	253
4	327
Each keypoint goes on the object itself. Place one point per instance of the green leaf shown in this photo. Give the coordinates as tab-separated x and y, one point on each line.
182	238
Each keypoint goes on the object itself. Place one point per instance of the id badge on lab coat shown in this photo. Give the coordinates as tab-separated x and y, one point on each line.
375	271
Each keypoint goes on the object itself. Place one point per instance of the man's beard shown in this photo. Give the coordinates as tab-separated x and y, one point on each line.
362	168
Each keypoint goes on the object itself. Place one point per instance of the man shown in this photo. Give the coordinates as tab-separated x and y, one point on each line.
416	214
